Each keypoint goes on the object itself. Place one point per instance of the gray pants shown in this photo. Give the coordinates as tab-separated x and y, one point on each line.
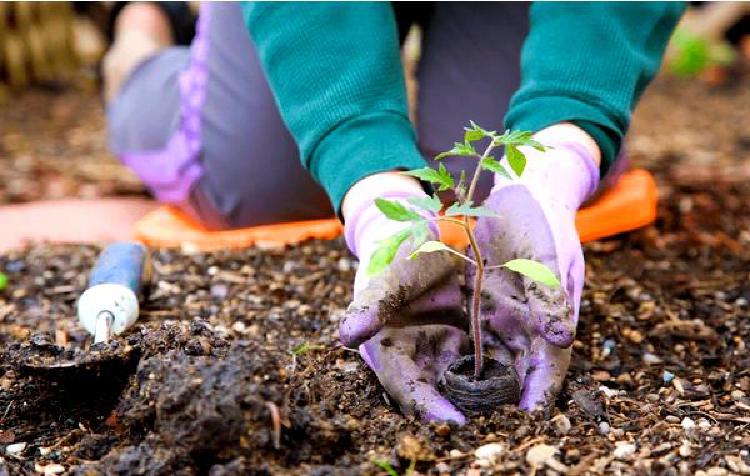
199	125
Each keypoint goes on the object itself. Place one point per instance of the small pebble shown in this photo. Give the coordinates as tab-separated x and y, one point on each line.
539	455
623	449
455	454
219	291
667	376
704	424
608	391
490	452
685	450
561	424
607	347
604	428
49	469
651	359
716	471
688	424
15	448
442	468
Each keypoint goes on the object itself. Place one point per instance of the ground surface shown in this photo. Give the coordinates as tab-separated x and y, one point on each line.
659	383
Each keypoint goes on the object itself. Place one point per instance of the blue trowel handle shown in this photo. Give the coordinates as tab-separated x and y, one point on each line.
122	263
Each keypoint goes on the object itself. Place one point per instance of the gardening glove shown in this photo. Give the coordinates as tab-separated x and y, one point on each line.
425	287
536	220
409	362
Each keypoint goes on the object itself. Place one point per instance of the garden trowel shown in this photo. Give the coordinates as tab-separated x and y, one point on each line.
106	308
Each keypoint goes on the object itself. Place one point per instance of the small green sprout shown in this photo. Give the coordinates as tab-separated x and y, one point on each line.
305	347
3	281
386	466
460	213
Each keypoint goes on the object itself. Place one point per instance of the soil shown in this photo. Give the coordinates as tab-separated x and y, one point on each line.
234	365
53	144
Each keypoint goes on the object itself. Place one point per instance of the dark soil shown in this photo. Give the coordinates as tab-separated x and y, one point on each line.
237	369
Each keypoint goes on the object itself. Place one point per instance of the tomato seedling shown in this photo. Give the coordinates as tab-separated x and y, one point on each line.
460	212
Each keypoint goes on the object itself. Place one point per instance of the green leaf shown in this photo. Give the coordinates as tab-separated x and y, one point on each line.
516	159
534	270
420	233
432	203
475	128
488	163
3	281
385	466
467	210
441	177
471	135
429	247
396	211
386	251
446	178
519	139
460	149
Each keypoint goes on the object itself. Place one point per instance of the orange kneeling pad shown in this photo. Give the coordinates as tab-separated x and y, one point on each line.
628	205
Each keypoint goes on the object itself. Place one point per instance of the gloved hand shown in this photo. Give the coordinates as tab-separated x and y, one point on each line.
408	361
423	290
537	221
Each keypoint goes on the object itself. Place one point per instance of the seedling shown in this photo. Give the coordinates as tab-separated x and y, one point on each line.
459	213
3	281
386	466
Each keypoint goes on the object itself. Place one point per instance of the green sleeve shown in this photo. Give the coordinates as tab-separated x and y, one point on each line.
588	63
335	71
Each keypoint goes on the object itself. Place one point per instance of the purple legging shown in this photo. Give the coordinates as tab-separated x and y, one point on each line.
200	127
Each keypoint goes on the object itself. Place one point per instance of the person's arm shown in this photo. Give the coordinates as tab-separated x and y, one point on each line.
335	71
588	63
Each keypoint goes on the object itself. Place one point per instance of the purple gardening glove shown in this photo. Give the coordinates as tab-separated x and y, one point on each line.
537	221
408	361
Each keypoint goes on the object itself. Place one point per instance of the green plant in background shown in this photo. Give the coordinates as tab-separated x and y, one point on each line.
694	54
460	213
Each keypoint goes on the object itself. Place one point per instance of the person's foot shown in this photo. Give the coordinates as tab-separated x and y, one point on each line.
141	30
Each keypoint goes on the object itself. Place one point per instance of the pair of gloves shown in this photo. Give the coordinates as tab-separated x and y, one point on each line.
409	322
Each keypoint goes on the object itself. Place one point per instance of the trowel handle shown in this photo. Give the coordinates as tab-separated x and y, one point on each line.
110	303
121	263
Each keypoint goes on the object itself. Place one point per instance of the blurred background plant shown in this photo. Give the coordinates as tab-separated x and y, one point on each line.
709	40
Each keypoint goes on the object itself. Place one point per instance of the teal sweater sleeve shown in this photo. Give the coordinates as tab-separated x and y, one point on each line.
335	71
588	63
